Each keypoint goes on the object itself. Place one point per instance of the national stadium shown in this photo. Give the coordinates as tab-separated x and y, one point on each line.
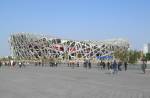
29	45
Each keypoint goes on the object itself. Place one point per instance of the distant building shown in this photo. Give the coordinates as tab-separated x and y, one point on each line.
146	48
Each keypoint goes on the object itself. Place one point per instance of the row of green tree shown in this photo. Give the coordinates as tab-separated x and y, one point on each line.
147	56
131	56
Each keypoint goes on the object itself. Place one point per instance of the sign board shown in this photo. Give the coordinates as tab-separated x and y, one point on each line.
104	57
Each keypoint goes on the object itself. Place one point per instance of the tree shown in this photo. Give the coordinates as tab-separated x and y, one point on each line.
148	56
134	56
121	55
10	58
4	59
131	56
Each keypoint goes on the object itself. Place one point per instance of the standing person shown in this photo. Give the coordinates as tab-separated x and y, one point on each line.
85	64
14	63
111	64
5	63
39	63
77	63
101	65
11	63
56	64
119	65
20	64
115	67
23	64
111	68
108	65
125	65
143	67
89	65
104	65
68	64
0	63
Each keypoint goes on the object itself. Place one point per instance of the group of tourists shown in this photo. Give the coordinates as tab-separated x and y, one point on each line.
73	64
87	64
12	63
112	66
51	64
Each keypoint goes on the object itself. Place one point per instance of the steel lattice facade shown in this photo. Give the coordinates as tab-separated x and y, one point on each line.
27	45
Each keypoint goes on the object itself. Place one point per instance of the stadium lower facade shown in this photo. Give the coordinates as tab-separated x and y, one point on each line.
27	46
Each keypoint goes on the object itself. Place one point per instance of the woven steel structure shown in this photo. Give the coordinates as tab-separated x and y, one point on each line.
27	45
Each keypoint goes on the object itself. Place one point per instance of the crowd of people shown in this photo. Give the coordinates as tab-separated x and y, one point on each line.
112	66
12	63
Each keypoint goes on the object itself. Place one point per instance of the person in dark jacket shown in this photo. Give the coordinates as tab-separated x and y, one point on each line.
143	67
115	67
89	65
108	65
125	66
119	65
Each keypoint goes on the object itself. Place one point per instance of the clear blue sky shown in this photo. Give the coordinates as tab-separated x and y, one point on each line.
77	19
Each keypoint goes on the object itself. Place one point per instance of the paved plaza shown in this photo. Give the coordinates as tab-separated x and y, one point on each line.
66	82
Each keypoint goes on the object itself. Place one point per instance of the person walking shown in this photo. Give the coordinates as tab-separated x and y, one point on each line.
125	65
115	67
143	67
101	65
104	65
119	65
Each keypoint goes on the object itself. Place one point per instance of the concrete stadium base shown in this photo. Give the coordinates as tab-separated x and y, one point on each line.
65	82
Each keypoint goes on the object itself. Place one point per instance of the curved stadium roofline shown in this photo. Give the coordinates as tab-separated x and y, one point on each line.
27	45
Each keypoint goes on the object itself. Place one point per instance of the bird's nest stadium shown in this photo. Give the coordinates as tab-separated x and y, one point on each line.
28	45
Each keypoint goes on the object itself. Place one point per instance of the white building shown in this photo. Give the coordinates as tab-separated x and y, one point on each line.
146	48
